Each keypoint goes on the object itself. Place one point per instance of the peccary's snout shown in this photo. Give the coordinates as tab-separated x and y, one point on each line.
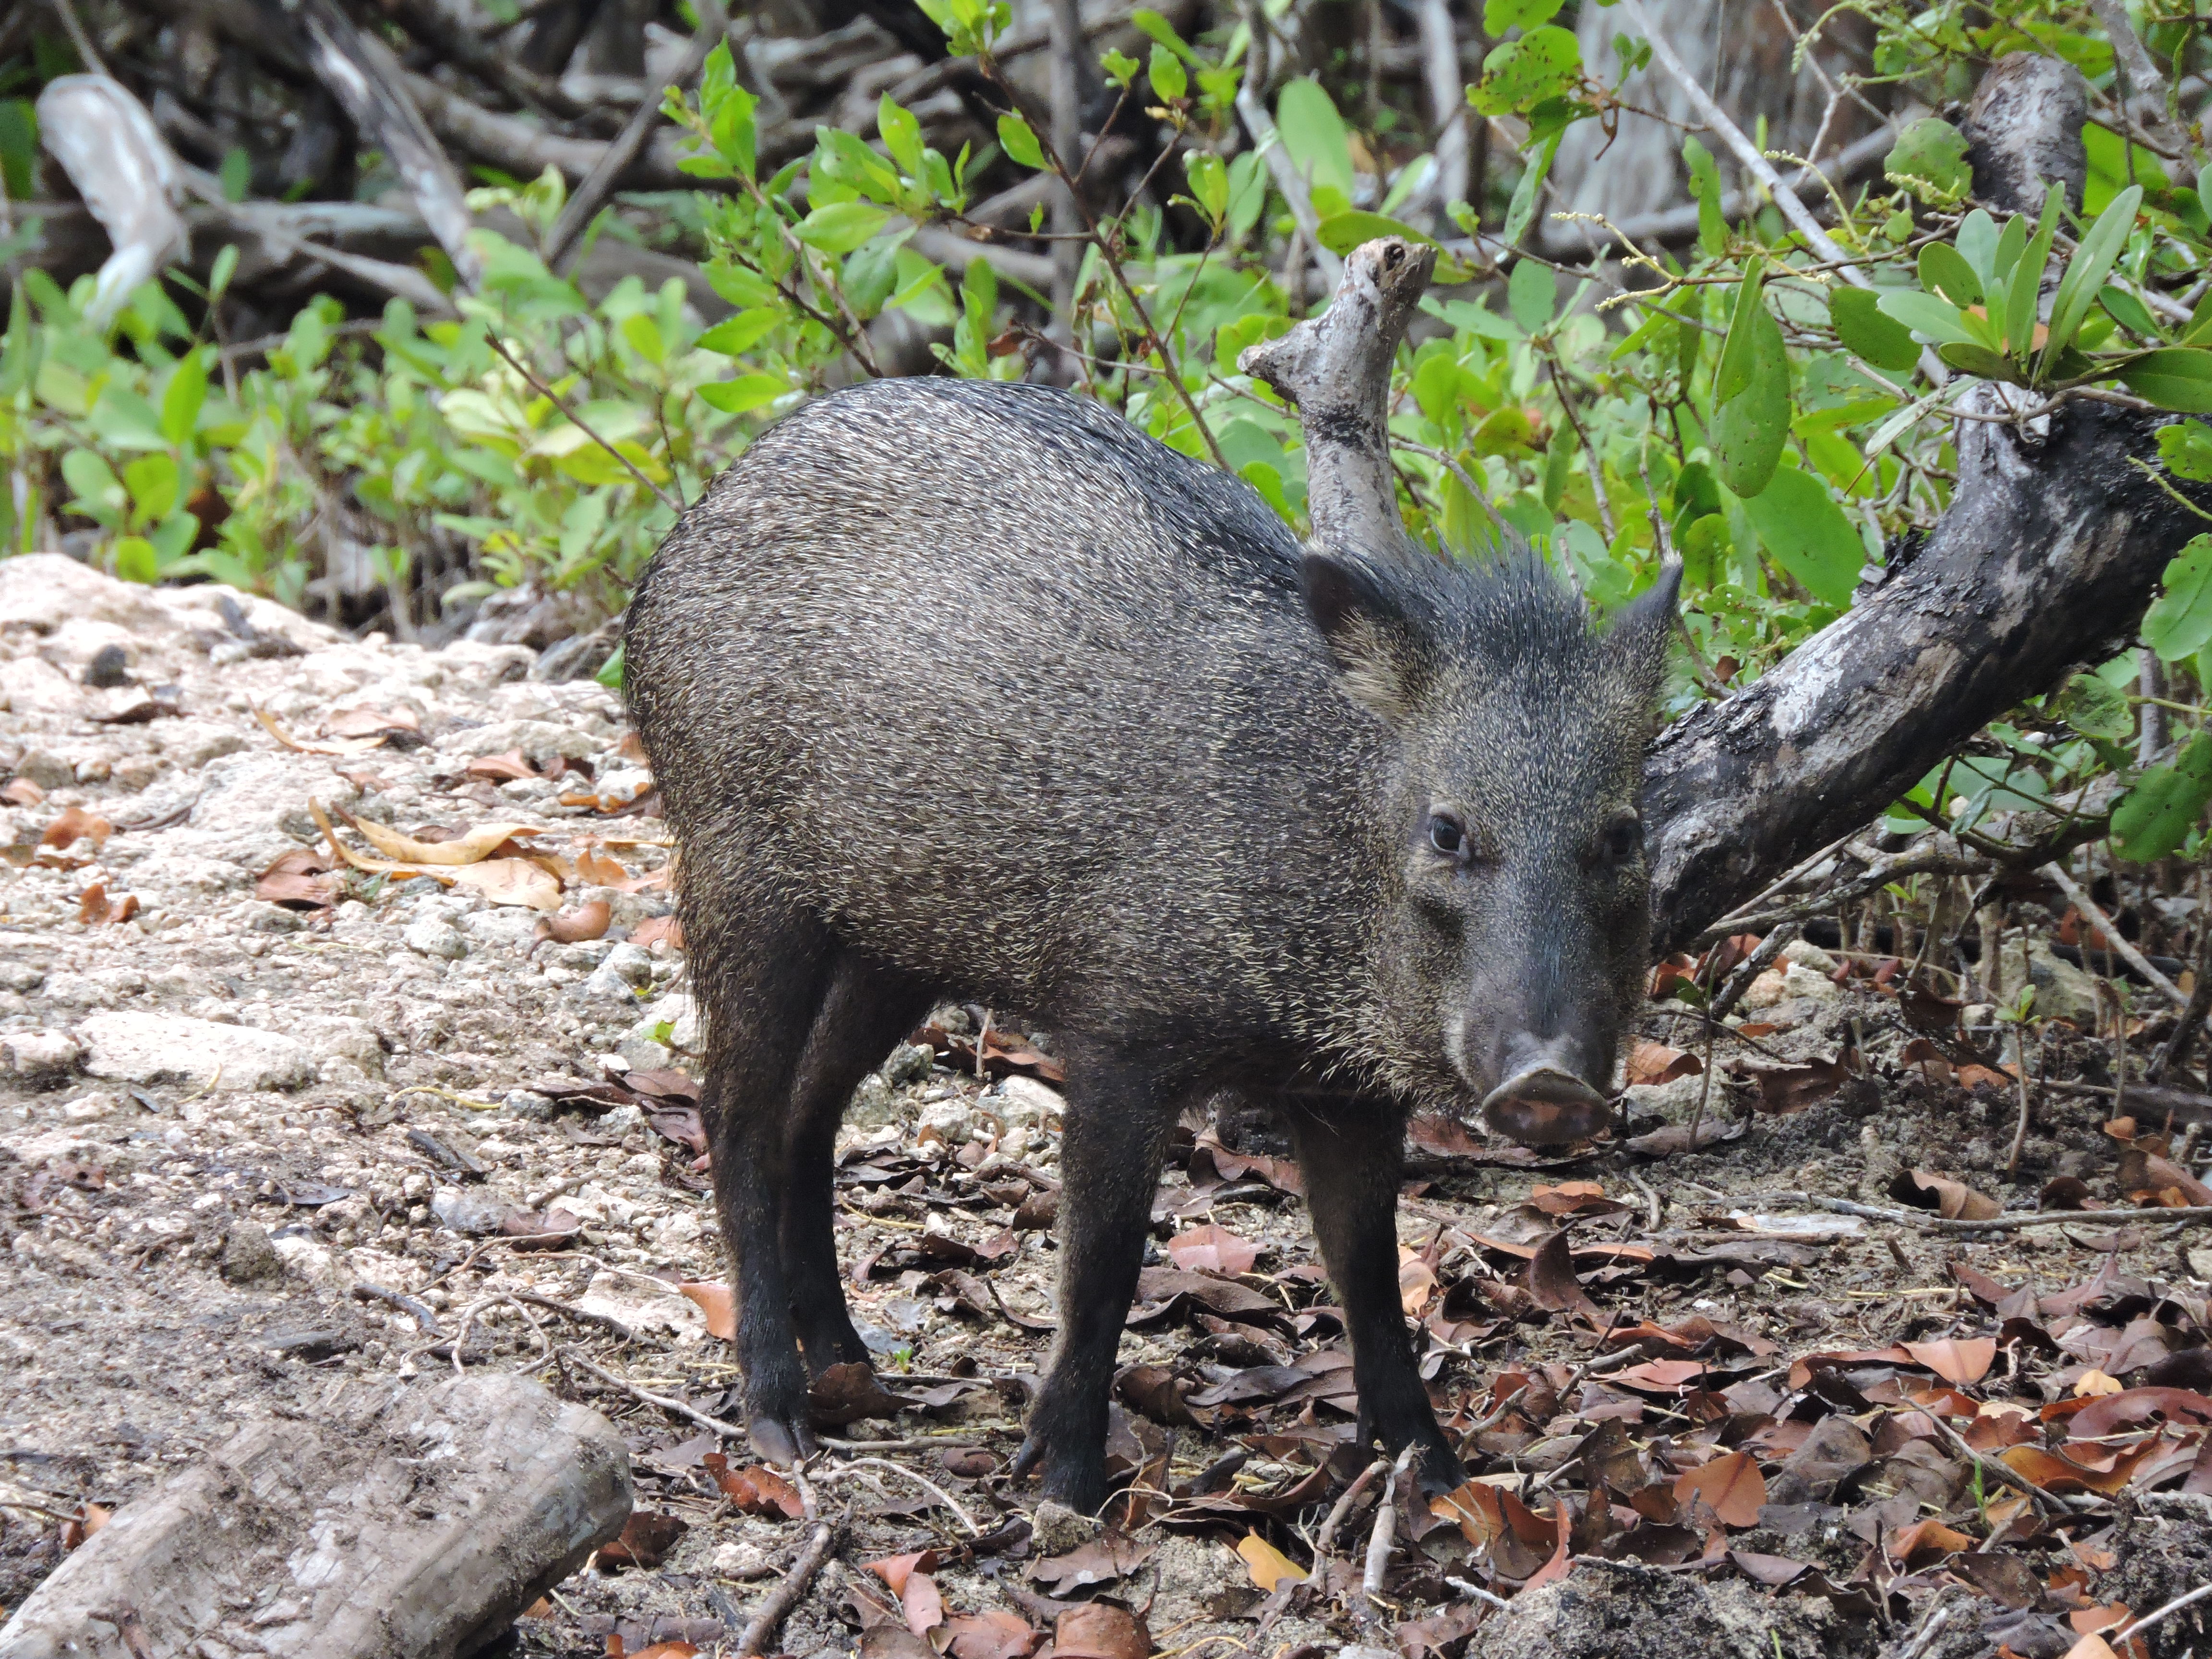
1543	1102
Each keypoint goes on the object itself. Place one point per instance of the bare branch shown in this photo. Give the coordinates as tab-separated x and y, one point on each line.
1335	369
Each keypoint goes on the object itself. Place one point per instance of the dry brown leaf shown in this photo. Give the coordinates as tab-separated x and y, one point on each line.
469	848
996	1635
511	881
1417	1282
1731	1485
757	1490
653	928
586	921
1269	1565
299	878
923	1606
1925	1541
1655	1062
342	746
647	1536
2091	1646
896	1570
715	1301
1099	1629
662	1650
76	823
21	792
1552	1281
1216	1249
1955	1359
95	906
1954	1200
360	722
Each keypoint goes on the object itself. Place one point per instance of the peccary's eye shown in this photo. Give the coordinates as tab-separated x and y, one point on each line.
1448	834
1623	838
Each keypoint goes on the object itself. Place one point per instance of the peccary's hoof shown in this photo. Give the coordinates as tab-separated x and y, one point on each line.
1075	1482
777	1442
1544	1106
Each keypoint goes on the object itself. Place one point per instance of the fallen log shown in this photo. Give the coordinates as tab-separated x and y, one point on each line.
407	1523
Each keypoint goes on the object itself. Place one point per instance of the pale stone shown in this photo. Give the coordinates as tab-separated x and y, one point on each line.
136	1048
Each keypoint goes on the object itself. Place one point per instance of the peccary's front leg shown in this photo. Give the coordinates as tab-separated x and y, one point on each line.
1351	1153
1120	1116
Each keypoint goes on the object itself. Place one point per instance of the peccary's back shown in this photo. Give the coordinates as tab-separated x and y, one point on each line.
1016	698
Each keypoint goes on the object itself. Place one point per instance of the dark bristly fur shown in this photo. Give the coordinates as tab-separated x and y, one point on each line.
970	690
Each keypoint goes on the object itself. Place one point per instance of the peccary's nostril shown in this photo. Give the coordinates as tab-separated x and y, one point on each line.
1542	1103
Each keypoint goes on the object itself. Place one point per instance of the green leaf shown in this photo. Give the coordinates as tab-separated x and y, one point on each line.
181	401
136	560
1705	186
2186	447
745	394
1976	243
2179	623
1499	16
236	173
1748	430
2095	709
20	354
2173	376
2155	817
2028	281
2010	246
735	336
1929	159
1986	361
154	485
1019	141
1857	316
1170	80
1341	233
100	494
1314	135
841	227
1209	183
1543	64
901	135
1924	314
2086	272
220	273
1737	351
1809	535
1532	294
1944	270
1157	29
1522	210
610	674
2128	311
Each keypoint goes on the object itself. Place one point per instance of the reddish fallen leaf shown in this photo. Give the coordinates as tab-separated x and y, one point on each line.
662	1650
2147	1178
1417	1282
2091	1646
2065	1193
896	1570
586	921
1662	1375
923	1606
655	928
1213	1248
1109	1556
1925	1541
1099	1629
95	906
715	1301
758	1490
1955	1359
1984	1077
2134	1407
1731	1485
647	1536
2059	1473
991	1636
1784	1090
89	1519
300	880
21	792
74	825
1655	1062
1574	1197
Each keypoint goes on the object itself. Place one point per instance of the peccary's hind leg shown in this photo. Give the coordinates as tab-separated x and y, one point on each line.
1351	1154
1120	1117
759	970
865	1011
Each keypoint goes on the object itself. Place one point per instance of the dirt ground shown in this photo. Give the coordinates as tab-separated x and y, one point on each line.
251	1146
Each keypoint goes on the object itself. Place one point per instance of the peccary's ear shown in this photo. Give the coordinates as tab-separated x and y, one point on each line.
1641	631
1373	640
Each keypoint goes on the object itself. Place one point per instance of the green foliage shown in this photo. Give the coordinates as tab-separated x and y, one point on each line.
1929	159
2158	813
2179	622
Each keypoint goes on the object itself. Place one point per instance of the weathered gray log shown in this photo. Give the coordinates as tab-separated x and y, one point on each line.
409	1523
114	154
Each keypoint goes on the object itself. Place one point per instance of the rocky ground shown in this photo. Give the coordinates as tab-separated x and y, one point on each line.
274	1119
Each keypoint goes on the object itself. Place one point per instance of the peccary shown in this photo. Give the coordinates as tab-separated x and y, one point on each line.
970	690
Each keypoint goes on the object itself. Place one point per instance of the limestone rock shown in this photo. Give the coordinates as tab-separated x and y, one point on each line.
134	1048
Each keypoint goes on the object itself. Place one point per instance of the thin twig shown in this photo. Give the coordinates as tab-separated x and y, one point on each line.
560	402
2120	1640
606	1322
1386	1524
1326	1539
920	1479
2003	1223
761	1629
2127	952
728	1430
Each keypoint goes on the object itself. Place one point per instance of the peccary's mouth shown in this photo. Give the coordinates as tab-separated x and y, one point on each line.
1544	1106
